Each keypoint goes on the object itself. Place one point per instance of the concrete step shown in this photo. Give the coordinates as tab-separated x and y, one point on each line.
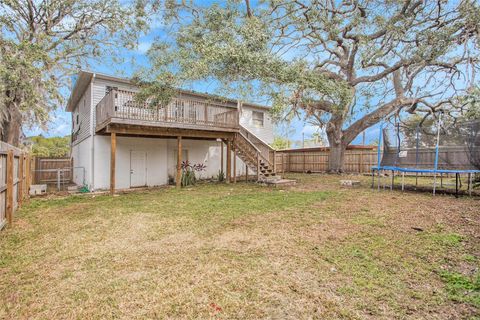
279	182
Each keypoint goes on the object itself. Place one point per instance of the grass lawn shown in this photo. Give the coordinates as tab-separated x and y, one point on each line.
244	251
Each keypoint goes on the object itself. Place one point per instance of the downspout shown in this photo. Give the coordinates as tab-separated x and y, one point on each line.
92	134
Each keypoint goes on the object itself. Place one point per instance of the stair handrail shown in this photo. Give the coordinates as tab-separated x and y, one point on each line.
259	153
254	135
271	152
249	142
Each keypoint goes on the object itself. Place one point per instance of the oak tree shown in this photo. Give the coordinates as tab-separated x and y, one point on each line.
42	43
346	64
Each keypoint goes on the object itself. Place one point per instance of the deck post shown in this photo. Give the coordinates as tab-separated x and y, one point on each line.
113	150
178	180
9	211
234	165
221	158
229	161
246	173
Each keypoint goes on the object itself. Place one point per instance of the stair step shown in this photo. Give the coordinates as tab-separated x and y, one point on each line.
249	156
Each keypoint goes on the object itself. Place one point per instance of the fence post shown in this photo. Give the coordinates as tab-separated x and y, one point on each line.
360	162
20	179
28	176
34	170
304	160
9	212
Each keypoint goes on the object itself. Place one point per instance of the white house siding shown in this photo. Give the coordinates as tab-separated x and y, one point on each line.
82	109
160	153
201	151
81	161
265	133
156	151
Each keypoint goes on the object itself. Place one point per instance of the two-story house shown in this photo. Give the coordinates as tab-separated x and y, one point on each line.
119	143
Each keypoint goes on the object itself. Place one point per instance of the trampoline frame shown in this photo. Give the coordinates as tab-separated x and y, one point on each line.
435	170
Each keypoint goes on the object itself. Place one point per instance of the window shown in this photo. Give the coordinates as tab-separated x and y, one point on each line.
257	119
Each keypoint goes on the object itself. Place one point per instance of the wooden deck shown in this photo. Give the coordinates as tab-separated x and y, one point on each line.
120	109
120	114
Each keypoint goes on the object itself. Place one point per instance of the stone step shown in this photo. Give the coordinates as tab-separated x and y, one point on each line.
279	182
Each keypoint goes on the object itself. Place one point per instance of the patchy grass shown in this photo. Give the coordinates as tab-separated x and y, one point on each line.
244	251
463	288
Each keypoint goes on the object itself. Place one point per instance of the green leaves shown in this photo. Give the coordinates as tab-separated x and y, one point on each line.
50	147
42	43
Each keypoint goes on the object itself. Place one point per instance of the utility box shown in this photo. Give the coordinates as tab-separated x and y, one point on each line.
38	189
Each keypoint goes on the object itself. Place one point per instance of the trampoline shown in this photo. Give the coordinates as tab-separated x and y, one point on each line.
433	148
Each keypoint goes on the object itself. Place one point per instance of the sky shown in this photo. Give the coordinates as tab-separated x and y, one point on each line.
60	124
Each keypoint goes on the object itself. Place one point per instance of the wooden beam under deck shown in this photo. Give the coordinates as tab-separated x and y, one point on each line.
144	131
179	162
221	157
229	161
113	150
160	125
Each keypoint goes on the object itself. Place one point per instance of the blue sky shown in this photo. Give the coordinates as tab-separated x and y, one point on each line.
60	124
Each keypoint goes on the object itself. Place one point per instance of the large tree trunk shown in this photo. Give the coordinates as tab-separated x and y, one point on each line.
336	159
11	127
337	146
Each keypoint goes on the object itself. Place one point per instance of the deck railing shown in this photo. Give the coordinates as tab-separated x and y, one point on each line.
203	114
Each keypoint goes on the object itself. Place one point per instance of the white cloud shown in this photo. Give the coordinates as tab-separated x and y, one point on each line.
144	46
309	129
61	130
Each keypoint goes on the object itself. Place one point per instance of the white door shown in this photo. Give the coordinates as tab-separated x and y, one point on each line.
138	168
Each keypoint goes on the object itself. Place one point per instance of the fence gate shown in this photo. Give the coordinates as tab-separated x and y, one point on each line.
58	171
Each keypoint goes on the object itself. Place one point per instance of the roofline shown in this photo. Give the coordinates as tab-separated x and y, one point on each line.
104	76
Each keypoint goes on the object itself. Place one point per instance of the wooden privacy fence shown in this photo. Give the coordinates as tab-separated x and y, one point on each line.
52	170
358	159
15	173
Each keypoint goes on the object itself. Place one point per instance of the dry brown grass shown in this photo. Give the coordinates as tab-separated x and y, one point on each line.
241	252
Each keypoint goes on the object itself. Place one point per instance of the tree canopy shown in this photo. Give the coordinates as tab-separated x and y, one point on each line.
56	147
42	43
345	64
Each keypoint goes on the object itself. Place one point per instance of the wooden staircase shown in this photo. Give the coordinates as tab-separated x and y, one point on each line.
256	154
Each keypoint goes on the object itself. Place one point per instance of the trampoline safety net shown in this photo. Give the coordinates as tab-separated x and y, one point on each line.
415	146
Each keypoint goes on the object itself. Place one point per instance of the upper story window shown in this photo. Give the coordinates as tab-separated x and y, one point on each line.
257	119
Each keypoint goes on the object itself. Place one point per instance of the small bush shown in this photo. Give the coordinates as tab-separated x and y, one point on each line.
221	176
